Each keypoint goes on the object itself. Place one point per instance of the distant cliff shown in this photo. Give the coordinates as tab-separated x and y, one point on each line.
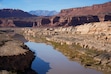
78	16
98	9
81	15
67	17
4	13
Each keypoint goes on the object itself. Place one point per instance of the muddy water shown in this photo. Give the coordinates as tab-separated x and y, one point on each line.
50	61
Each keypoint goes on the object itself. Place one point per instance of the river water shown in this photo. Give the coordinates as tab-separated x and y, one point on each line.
50	61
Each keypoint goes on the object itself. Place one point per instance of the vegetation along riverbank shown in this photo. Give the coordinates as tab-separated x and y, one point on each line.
91	47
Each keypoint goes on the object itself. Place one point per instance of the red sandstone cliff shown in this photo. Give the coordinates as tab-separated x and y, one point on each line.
99	9
67	17
81	15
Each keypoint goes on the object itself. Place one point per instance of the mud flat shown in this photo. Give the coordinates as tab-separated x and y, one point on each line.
15	57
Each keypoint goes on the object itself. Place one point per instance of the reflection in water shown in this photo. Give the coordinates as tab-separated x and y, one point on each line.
59	64
40	66
17	64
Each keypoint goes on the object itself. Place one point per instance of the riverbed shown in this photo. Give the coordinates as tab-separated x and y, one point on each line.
50	61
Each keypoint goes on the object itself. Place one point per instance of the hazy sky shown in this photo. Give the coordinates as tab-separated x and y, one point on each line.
57	5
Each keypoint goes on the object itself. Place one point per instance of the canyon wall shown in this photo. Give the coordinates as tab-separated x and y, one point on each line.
91	35
67	17
81	15
99	9
56	21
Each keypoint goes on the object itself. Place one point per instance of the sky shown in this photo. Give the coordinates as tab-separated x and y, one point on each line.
57	5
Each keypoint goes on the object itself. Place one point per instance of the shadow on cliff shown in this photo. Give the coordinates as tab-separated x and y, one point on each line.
40	66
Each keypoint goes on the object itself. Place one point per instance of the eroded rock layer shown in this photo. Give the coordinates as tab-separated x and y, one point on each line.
89	43
15	57
98	9
67	17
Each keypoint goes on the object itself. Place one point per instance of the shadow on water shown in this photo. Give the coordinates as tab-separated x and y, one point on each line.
40	66
50	61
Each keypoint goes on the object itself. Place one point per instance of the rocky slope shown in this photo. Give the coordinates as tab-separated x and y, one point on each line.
89	35
89	43
4	13
15	57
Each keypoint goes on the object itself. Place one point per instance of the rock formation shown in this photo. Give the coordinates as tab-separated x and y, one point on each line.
14	55
6	23
99	9
81	15
23	23
67	17
4	13
92	40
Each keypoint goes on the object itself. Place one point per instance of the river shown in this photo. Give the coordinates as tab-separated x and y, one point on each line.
50	61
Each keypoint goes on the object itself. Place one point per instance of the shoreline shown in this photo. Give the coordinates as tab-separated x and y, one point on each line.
90	47
80	43
15	56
